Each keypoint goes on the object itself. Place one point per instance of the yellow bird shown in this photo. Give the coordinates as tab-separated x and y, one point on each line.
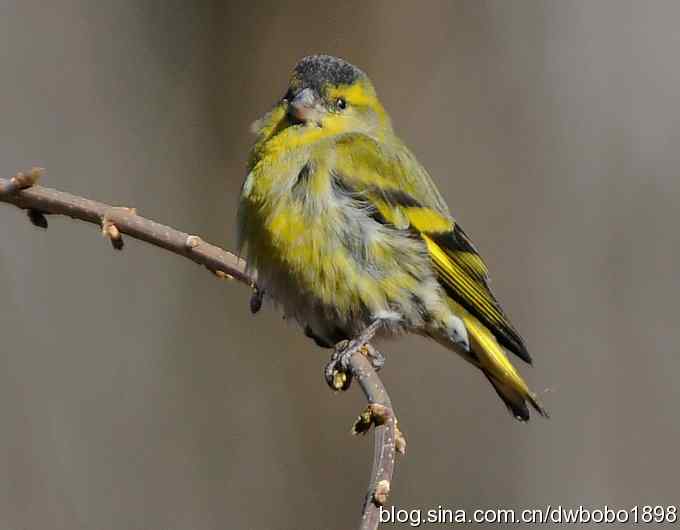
345	228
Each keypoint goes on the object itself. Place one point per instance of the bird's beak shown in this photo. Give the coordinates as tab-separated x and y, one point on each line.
305	107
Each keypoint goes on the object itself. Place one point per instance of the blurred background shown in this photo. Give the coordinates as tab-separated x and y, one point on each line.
138	392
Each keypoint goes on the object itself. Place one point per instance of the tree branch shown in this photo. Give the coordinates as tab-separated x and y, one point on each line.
22	192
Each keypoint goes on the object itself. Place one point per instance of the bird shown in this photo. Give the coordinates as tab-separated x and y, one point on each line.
345	229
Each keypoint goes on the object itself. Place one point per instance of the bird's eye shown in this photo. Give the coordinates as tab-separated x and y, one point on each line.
340	104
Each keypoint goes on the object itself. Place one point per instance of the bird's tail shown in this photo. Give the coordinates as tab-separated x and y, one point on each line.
490	358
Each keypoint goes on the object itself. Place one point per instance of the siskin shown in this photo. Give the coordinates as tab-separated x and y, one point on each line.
345	228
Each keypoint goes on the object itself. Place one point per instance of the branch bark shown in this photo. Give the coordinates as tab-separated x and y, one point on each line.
23	192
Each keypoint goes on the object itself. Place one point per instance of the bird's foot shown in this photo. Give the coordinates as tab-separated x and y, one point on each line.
256	299
337	372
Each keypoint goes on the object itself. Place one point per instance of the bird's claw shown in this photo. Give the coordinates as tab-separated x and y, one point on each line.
256	299
376	358
337	372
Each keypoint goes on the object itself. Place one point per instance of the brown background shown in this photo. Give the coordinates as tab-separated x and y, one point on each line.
137	392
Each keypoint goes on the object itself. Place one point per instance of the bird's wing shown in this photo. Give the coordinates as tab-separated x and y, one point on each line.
404	197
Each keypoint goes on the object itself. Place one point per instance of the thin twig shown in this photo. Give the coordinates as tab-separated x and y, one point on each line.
379	412
22	192
126	221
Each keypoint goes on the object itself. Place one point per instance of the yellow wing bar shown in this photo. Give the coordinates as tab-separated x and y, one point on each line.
461	278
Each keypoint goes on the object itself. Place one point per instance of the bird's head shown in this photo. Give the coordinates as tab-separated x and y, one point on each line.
329	93
326	96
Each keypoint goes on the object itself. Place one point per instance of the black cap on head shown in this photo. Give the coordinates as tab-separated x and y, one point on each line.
315	71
